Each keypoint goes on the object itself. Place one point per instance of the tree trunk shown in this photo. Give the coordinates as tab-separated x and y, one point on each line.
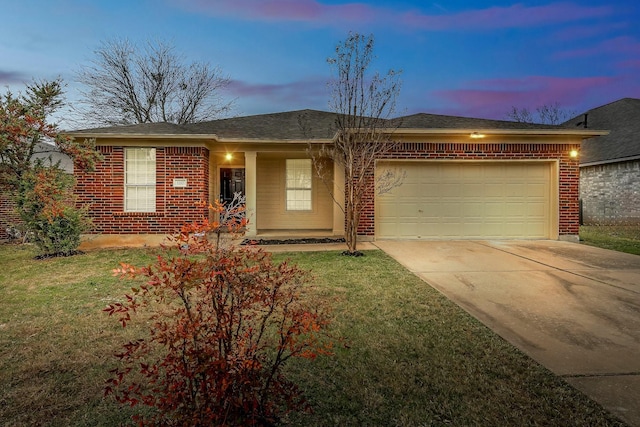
351	235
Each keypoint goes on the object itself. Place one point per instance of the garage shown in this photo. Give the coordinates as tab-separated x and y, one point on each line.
469	200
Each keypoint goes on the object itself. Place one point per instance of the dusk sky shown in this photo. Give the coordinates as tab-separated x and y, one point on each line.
469	58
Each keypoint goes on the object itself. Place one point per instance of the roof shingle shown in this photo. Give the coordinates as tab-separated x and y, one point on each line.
622	118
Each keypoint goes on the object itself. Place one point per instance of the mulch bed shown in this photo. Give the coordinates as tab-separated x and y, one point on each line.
302	241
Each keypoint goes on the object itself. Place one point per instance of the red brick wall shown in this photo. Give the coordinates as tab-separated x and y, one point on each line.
8	216
568	190
103	191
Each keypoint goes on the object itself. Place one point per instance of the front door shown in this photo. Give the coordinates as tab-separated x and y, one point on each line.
231	182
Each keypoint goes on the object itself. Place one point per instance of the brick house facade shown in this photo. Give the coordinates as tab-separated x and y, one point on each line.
103	191
568	203
610	193
194	163
8	217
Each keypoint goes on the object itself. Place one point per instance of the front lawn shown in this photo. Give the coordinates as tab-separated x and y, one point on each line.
622	238
409	357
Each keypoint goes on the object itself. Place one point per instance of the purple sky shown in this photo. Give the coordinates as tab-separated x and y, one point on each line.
471	58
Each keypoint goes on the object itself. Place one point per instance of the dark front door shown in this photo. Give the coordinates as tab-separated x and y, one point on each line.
231	182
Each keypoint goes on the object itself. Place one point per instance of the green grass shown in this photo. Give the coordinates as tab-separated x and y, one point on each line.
622	238
408	357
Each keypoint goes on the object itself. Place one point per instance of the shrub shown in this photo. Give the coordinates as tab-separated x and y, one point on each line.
45	204
223	322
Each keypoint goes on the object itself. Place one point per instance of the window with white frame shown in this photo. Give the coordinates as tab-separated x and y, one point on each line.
140	180
298	186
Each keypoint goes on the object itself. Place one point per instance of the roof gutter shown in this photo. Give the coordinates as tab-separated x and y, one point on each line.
610	161
140	135
583	133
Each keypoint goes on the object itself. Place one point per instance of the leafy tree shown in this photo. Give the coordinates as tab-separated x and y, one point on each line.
25	128
364	105
550	114
126	84
222	323
37	191
46	206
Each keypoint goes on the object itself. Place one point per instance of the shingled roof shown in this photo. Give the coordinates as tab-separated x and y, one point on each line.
161	128
622	118
301	125
292	125
437	121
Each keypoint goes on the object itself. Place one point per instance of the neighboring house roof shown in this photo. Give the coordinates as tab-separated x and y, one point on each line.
302	125
622	118
50	154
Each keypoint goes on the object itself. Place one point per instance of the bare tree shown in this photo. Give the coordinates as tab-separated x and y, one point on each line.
364	106
550	114
125	84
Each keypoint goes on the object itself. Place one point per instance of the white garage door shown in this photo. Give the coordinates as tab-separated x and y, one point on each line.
467	200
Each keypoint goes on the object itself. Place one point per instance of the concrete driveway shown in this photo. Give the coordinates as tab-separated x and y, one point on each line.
573	308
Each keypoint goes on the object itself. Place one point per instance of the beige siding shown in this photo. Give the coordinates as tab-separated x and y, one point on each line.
270	203
468	200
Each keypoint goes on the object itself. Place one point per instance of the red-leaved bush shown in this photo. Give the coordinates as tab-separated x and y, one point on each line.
222	323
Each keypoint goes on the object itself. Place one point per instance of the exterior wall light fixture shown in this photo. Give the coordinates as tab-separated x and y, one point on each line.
228	156
573	154
477	135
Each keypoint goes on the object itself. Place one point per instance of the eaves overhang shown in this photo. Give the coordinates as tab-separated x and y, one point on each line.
196	137
610	161
140	135
488	132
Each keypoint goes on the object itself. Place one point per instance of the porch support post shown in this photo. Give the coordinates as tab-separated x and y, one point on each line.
250	191
338	194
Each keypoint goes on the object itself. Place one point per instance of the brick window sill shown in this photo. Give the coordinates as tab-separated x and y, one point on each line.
138	214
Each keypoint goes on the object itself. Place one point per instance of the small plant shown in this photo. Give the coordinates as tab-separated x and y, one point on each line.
223	322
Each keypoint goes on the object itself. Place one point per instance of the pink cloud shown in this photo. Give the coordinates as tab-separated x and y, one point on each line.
514	16
313	11
579	32
7	77
494	98
633	64
282	10
296	93
622	44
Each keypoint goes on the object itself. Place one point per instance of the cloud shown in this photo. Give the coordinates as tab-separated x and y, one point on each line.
494	98
619	45
516	16
631	64
303	93
12	77
315	12
581	32
310	11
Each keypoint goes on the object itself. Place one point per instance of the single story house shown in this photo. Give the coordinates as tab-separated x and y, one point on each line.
610	164
466	178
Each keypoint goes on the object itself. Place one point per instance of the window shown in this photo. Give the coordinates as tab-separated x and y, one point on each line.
140	180
298	184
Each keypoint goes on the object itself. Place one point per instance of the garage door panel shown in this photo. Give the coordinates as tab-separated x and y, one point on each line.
536	210
467	200
409	189
537	190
